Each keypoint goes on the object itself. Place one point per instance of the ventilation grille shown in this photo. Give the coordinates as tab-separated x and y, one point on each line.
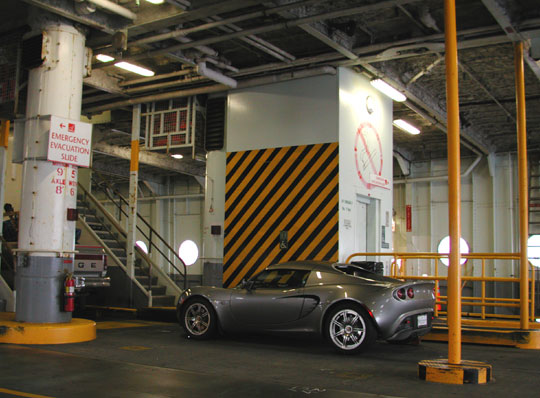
215	123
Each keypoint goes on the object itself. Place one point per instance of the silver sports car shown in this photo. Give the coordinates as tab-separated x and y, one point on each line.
344	303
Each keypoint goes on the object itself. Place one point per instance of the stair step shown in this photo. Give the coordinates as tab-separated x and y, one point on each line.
112	243
163	301
143	280
118	251
158	291
104	234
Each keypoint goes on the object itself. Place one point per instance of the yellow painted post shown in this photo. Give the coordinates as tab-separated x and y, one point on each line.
4	133
532	314
523	189
483	289
454	184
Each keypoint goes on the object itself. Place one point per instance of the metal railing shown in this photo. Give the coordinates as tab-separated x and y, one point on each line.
153	237
398	270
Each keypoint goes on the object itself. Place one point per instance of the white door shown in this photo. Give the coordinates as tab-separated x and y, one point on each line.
360	235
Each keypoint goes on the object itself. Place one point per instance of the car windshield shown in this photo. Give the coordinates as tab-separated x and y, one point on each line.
359	272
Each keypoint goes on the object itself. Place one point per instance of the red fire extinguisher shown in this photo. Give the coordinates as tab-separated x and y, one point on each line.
69	294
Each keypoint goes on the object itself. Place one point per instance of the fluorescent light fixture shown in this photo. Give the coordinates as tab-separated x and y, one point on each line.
134	68
177	156
403	125
104	58
388	90
156	1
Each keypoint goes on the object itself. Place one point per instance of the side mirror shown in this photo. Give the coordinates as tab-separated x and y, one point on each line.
246	284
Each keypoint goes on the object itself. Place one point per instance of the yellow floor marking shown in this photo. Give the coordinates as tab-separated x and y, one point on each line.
119	325
135	348
126	324
22	394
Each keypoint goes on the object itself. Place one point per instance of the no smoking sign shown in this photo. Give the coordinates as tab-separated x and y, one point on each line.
368	156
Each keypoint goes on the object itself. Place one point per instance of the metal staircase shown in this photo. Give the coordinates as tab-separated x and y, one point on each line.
150	285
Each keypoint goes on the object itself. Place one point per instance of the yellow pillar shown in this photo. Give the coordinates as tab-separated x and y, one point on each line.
453	370
523	189
454	185
4	133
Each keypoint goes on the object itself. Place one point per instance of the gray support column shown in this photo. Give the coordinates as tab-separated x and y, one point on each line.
46	237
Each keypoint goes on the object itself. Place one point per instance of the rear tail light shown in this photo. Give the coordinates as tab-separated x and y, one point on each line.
404	293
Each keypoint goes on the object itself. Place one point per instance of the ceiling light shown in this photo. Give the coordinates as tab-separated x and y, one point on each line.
403	125
156	1
177	156
104	58
134	68
388	90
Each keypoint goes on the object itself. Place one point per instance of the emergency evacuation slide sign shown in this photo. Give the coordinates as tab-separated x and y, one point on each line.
70	142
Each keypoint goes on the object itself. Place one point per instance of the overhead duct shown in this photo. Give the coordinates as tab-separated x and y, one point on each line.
115	8
214	75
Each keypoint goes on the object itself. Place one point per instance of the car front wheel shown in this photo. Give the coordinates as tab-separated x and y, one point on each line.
349	329
199	319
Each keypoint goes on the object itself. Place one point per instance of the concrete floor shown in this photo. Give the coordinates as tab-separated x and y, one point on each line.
134	358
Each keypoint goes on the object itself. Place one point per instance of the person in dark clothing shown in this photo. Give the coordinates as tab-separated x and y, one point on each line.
10	227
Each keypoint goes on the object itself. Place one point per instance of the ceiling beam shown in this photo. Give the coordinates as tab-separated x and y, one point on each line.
99	19
500	11
155	21
155	159
103	81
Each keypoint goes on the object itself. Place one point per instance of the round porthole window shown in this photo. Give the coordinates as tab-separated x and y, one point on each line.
188	252
444	248
533	249
142	245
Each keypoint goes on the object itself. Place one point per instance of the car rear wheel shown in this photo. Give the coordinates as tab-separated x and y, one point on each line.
199	319
349	329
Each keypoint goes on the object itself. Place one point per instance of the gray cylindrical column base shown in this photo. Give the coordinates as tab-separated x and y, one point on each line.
39	282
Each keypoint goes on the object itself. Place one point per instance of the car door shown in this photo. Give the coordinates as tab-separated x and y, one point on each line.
274	297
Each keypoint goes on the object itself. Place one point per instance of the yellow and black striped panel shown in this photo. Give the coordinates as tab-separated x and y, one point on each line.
293	189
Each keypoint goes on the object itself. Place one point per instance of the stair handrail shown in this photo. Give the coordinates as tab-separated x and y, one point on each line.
152	230
121	229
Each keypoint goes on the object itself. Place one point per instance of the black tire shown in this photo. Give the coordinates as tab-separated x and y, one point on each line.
199	319
349	329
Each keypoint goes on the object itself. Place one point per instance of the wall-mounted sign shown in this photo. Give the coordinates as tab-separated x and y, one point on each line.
408	213
70	142
368	155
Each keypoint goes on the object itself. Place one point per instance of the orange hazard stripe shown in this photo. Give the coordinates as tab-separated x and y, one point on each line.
293	189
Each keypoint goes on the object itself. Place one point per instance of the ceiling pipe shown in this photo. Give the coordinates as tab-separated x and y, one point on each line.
115	8
440	178
157	86
212	89
214	75
155	77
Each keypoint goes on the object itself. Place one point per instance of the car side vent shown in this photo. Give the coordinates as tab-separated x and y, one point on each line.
215	123
31	52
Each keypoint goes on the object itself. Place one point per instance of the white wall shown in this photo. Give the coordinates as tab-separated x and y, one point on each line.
365	162
489	211
297	112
